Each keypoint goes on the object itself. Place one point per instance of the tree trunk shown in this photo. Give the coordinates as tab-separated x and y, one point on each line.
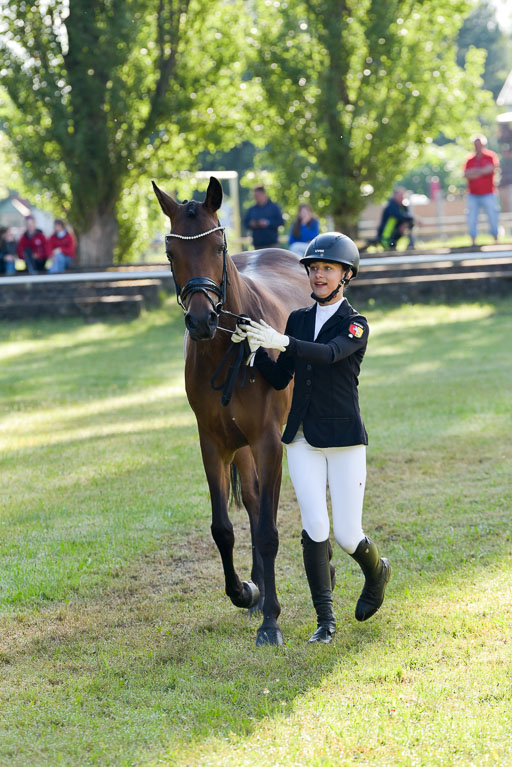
346	223
96	244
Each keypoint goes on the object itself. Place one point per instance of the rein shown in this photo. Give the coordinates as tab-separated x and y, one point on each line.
236	354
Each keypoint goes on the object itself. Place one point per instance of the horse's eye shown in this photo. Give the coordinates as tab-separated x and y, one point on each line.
220	251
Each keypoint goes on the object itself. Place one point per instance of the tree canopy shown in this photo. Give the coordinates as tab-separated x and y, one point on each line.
103	92
355	90
341	98
481	30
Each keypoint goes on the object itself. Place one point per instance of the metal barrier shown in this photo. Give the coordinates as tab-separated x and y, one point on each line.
438	228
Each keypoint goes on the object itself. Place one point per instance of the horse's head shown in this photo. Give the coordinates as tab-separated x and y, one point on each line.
198	258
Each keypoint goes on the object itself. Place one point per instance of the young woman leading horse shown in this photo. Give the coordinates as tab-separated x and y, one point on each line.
322	348
244	428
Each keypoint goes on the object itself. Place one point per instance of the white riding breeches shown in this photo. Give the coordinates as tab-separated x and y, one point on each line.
345	469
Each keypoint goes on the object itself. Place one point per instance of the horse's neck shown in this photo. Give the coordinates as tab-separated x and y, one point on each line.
237	291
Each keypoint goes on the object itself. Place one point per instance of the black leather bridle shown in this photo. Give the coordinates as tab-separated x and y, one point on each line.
236	354
201	284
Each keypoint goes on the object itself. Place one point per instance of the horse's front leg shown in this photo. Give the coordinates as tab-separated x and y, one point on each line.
268	454
241	593
246	466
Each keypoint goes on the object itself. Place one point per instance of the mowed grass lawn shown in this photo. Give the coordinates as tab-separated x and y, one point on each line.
117	644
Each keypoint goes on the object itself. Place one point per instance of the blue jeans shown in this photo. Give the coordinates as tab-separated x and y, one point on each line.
489	204
60	263
9	267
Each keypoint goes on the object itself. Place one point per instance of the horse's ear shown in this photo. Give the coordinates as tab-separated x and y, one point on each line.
168	205
213	199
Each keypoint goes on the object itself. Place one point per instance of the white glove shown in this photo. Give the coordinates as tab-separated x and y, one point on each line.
266	336
241	334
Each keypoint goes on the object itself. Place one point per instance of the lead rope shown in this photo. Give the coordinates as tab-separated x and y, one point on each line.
236	354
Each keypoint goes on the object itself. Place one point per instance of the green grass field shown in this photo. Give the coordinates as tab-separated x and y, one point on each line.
117	644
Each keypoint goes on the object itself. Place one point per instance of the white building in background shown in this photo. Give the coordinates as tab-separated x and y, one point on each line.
504	119
14	209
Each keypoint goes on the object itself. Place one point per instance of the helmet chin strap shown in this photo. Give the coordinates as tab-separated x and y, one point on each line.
344	281
329	297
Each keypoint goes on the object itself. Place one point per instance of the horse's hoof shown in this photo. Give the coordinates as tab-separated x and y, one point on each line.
269	636
253	592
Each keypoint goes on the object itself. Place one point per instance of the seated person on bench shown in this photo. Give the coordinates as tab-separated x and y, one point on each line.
396	222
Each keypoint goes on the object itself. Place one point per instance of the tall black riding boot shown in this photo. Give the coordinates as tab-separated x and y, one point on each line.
377	572
318	571
331	567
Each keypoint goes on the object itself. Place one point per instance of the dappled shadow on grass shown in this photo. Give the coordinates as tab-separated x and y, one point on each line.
452	338
164	658
158	657
162	645
149	481
112	356
137	416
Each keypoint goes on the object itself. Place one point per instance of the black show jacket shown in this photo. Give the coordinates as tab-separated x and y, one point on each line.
325	399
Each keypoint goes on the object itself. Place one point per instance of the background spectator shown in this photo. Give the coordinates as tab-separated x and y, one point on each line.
304	229
396	221
263	219
7	250
33	247
61	247
479	171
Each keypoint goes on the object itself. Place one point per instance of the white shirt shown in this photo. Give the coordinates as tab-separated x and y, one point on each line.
323	313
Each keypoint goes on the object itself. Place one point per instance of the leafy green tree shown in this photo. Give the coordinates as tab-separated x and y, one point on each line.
355	91
446	162
10	176
481	30
102	93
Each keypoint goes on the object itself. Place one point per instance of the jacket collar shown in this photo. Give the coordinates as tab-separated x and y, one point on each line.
344	310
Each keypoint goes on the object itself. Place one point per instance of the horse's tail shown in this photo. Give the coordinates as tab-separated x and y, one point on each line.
235	495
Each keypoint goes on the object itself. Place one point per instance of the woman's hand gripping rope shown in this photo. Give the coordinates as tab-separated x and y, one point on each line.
241	335
264	335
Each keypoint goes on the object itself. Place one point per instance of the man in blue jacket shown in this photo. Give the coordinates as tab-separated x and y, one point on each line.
263	219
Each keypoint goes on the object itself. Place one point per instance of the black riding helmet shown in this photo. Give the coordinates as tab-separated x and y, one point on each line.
334	247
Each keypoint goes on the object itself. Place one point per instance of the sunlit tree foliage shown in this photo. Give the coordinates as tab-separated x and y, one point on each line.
481	30
99	94
354	90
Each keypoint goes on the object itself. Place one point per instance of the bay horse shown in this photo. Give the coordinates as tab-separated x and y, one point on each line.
214	289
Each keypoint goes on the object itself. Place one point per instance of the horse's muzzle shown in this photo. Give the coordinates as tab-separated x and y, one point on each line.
202	328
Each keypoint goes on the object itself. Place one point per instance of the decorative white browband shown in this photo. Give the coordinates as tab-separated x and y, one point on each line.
196	236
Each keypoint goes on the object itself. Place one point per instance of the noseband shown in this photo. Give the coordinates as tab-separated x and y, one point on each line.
201	284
